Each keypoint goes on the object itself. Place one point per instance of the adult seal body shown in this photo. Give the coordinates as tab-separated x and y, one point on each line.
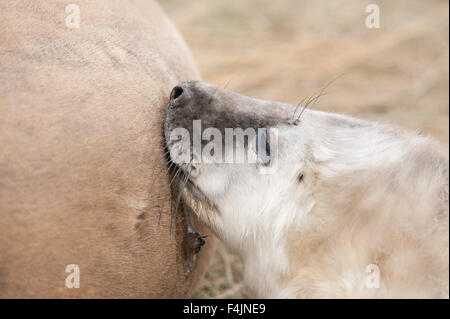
80	132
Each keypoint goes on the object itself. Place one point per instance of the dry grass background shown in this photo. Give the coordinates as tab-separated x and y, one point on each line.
288	50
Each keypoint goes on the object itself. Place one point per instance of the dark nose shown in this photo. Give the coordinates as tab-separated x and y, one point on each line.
176	93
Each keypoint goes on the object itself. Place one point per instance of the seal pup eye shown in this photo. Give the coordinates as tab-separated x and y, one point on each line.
263	147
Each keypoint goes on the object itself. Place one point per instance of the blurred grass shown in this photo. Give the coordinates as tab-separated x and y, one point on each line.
288	50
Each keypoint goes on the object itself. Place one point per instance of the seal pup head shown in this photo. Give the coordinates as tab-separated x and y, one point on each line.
240	155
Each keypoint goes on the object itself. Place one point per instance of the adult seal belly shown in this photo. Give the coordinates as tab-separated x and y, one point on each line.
81	113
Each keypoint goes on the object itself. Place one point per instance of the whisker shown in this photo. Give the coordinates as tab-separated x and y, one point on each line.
184	183
212	94
215	90
158	157
228	82
310	100
298	105
180	193
314	98
157	160
170	164
179	169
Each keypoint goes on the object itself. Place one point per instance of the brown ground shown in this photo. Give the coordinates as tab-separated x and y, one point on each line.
288	50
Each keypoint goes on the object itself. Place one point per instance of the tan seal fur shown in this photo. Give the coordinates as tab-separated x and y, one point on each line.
80	129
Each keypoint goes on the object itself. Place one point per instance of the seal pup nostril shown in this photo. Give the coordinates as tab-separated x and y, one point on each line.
176	92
